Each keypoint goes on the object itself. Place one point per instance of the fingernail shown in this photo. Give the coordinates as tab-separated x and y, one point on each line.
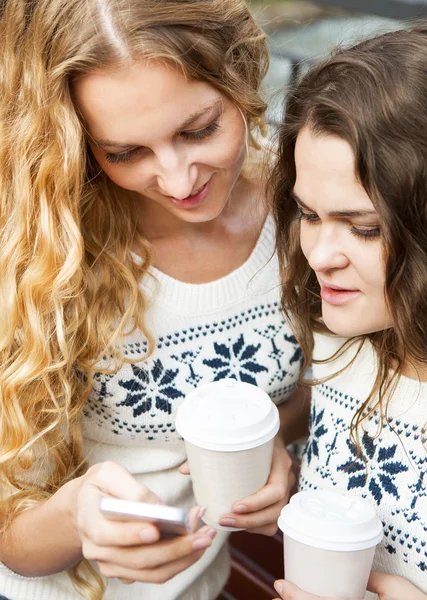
148	536
240	508
201	543
227	522
278	586
203	530
211	532
201	513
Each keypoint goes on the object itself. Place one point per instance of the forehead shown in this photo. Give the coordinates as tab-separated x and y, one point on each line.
325	169
147	98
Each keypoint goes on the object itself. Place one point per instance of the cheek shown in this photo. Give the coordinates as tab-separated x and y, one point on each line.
372	266
228	148
126	176
227	152
306	238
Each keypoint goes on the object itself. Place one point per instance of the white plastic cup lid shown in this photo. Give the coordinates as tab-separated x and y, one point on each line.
331	521
227	415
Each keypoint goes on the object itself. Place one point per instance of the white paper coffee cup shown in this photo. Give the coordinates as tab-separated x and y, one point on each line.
229	428
329	543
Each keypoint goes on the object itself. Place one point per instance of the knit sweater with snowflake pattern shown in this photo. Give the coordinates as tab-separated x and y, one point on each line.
231	327
394	480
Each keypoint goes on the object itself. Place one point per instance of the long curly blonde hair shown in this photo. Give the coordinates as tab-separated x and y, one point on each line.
69	287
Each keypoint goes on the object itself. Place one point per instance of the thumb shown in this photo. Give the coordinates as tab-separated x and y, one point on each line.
289	591
114	480
184	468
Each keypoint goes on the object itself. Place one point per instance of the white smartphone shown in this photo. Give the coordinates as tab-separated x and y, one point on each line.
170	520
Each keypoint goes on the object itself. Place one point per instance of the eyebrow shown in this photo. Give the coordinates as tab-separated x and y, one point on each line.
103	143
339	213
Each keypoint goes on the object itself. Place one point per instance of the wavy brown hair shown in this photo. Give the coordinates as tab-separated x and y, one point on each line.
373	96
68	284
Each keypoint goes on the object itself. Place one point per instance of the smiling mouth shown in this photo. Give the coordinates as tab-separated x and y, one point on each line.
197	192
195	198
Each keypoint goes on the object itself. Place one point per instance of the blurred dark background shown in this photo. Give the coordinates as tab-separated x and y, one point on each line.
301	32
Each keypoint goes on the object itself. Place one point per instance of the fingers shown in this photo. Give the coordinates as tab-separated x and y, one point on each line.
115	480
131	533
277	488
159	575
184	468
262	521
289	591
156	563
270	494
260	511
104	533
150	556
195	515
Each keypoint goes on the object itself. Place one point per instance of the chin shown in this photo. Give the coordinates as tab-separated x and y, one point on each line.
347	328
200	214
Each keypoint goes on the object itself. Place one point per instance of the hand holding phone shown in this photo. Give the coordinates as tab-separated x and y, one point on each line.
127	546
170	520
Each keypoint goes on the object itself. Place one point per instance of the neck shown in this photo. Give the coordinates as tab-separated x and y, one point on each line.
415	370
155	221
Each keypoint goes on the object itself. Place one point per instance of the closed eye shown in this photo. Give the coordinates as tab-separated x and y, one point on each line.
123	157
305	216
201	134
366	234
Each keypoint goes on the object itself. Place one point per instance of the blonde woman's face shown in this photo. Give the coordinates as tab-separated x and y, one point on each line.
176	142
340	236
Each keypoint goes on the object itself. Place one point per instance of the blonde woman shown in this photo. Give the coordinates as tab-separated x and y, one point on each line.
137	261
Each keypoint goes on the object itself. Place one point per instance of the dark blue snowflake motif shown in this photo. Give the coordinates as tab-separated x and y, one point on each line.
236	361
317	429
148	385
189	358
102	386
386	466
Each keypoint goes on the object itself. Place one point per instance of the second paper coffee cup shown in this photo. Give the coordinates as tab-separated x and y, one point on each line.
329	542
229	428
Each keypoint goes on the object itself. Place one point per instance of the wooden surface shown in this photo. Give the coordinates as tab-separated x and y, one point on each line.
256	562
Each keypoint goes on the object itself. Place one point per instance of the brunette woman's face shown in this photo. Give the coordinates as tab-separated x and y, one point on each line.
177	142
340	235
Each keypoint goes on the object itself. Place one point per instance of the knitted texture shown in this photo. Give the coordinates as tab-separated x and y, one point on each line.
231	327
393	478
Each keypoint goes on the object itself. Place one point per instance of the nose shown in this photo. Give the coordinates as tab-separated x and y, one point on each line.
327	251
176	174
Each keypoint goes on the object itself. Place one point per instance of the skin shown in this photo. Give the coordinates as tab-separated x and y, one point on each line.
327	183
343	249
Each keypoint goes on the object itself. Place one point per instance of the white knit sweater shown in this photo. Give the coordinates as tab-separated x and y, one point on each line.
228	328
395	478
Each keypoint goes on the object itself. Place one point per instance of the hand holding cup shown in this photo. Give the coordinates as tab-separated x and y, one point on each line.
388	587
229	428
259	512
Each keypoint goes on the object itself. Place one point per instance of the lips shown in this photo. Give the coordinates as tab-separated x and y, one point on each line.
197	192
336	295
195	198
